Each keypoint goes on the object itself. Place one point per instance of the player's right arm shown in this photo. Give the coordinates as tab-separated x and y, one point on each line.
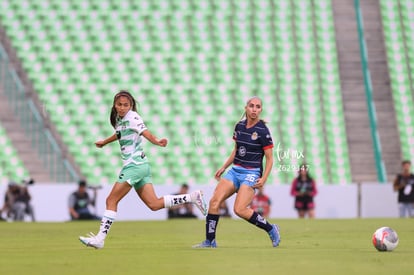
102	143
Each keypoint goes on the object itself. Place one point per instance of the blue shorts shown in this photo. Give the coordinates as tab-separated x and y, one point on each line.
239	175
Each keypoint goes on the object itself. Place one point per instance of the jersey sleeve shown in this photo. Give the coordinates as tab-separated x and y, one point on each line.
266	139
293	191
137	124
314	190
235	132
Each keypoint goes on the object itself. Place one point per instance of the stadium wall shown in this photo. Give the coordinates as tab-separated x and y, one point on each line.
50	201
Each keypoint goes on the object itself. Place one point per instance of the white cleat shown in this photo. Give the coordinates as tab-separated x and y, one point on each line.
92	241
197	198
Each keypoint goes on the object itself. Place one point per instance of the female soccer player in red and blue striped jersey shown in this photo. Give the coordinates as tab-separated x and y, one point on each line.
253	142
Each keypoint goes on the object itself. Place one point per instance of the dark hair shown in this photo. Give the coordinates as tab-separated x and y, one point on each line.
114	114
406	162
304	166
82	183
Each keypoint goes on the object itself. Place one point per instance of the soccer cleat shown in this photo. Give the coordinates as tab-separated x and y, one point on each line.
206	244
198	199
92	241
274	235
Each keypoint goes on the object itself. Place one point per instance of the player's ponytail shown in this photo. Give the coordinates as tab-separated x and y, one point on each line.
243	116
114	114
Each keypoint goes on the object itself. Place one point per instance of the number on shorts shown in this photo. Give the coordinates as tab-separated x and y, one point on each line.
250	177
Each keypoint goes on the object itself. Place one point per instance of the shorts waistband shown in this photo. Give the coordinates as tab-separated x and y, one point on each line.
236	166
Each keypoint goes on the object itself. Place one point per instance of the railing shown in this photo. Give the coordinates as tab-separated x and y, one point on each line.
368	92
32	122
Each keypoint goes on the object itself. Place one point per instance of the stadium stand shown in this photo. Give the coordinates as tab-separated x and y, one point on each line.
398	22
12	167
191	65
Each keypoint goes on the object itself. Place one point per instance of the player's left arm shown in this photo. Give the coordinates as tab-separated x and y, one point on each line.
268	168
153	139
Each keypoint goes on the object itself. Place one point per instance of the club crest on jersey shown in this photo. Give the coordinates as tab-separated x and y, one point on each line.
254	136
242	151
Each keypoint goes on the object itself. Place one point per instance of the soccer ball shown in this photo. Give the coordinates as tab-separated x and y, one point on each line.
385	239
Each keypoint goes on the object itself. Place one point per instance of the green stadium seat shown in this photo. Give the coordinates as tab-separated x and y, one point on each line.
12	166
397	23
189	62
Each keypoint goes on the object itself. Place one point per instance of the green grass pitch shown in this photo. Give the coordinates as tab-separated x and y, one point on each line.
164	247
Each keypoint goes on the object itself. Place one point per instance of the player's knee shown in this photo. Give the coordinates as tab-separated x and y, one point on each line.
110	202
240	211
152	207
214	204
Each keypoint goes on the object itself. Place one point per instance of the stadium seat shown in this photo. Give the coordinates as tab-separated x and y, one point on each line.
191	65
12	167
397	22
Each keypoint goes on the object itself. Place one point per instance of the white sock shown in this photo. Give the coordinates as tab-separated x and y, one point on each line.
173	200
107	219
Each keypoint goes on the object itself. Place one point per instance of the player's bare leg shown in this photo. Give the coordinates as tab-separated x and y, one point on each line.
148	196
224	190
241	208
119	190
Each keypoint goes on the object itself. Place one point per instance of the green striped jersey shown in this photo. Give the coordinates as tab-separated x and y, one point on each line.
128	130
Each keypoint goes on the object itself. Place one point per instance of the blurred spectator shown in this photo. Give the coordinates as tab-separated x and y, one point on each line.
17	202
79	202
304	189
182	210
261	203
224	210
403	184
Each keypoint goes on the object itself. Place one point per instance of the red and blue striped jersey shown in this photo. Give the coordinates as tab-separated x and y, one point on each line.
251	144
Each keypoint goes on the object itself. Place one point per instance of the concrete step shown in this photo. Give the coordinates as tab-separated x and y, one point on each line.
21	142
352	83
357	104
385	109
14	129
351	45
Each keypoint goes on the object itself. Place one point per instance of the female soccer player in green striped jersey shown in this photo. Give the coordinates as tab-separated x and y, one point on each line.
136	172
